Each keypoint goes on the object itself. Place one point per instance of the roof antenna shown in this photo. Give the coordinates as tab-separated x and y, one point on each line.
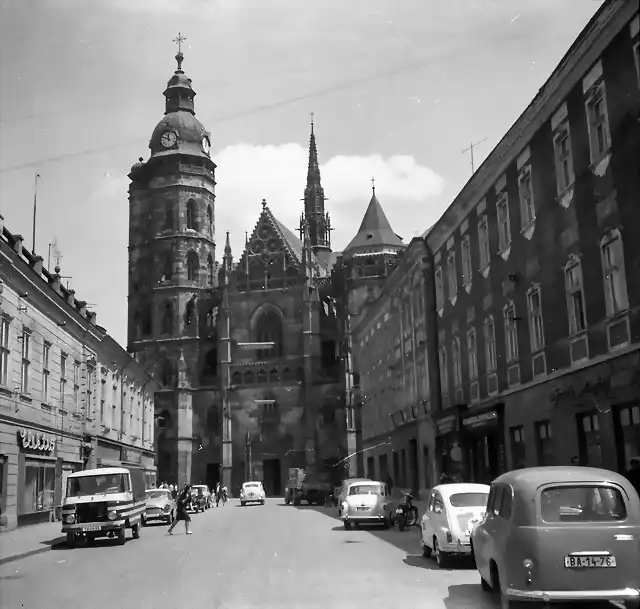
470	149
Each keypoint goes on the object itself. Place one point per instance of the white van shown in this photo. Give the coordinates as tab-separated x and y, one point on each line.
102	502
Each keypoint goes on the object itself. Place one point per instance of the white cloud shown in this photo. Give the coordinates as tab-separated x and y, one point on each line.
247	173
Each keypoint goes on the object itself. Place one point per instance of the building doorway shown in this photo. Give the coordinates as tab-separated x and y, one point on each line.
414	475
271	477
371	468
483	458
213	475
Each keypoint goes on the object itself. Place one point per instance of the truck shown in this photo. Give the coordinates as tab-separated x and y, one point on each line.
293	492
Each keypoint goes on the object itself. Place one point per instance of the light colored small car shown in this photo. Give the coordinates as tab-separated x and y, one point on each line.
367	502
252	492
560	535
202	497
452	513
160	506
344	491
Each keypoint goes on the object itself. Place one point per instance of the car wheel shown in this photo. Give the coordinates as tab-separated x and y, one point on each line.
441	557
426	550
242	503
122	536
135	531
347	525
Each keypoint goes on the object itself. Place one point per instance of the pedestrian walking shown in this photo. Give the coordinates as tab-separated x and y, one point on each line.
218	494
633	473
184	501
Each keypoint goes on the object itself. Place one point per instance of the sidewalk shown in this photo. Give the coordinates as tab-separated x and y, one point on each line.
26	541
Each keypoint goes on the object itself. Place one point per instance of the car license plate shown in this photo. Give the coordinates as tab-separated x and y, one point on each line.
362	508
398	511
573	562
94	527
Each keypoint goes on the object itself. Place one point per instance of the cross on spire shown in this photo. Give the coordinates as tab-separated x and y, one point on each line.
373	185
179	40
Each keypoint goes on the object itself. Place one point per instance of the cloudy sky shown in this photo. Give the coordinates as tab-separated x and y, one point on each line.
398	87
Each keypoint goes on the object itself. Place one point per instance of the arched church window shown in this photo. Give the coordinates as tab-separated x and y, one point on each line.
248	377
167	266
193	266
167	319
168	218
274	377
146	320
210	370
236	378
167	373
211	317
210	270
286	375
262	376
269	330
300	373
192	211
190	313
210	219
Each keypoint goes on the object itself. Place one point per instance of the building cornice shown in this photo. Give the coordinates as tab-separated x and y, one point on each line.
583	53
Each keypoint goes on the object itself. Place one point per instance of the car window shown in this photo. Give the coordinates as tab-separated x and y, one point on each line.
506	504
495	498
157	495
431	500
366	489
464	500
438	504
582	504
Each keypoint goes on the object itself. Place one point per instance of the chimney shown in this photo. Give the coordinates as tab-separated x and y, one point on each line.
71	297
81	305
91	316
17	244
36	264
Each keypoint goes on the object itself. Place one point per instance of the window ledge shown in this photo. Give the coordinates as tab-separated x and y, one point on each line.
45	406
453	300
25	397
467	286
600	165
484	271
565	197
528	230
76	415
504	253
5	390
440	311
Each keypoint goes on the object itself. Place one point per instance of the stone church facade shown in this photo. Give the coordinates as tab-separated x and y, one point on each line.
254	354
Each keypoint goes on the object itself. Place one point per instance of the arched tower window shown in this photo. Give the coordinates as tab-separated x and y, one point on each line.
167	373
190	313
193	266
210	370
168	218
210	271
269	330
136	326
192	212
167	319
146	320
210	219
167	266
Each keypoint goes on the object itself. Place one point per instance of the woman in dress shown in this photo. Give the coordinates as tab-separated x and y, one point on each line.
184	501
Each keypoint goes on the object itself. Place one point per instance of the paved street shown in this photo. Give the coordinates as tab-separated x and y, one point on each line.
239	558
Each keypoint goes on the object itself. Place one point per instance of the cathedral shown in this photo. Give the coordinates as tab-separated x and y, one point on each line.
253	354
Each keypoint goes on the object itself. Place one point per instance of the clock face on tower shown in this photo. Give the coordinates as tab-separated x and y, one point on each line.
168	139
206	145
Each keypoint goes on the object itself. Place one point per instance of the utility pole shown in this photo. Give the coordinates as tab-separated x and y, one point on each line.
470	149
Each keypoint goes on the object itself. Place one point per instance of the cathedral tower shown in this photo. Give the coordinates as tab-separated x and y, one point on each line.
172	264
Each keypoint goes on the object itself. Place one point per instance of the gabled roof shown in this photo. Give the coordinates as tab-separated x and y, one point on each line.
269	227
375	230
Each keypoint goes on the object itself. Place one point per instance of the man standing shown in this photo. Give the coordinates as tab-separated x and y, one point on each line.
633	473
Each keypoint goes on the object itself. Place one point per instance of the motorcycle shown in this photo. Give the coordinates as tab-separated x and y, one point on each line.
406	513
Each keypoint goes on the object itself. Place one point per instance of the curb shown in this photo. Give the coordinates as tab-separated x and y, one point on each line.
47	546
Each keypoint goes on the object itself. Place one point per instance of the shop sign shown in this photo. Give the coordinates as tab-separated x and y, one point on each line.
37	441
447	424
486	418
130	455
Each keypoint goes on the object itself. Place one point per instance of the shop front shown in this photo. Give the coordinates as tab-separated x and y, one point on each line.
449	445
483	431
43	462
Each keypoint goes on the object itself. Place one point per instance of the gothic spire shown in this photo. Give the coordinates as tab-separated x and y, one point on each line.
179	94
314	212
228	257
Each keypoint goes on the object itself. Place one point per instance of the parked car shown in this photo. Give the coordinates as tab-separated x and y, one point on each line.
252	492
446	525
202	497
344	490
160	506
556	534
367	502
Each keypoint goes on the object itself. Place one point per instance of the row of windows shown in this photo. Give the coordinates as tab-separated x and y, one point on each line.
193	267
77	391
616	302
193	222
446	275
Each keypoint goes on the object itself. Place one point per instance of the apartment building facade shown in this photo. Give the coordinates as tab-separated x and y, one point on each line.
71	397
537	275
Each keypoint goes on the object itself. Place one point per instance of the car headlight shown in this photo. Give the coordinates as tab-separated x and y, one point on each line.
345	506
112	515
70	519
166	508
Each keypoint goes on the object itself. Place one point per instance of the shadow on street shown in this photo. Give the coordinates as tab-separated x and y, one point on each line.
465	596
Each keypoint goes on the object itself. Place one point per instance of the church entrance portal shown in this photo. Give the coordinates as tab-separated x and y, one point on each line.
272	477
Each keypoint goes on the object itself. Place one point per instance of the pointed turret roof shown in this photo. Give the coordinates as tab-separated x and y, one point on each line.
375	232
